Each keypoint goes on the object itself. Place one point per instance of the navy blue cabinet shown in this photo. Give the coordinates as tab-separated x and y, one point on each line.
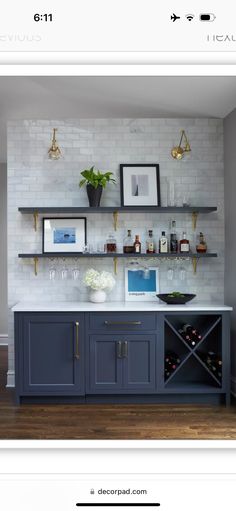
104	364
79	356
139	369
121	364
50	354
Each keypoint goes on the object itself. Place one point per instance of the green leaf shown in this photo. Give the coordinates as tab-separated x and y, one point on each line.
82	182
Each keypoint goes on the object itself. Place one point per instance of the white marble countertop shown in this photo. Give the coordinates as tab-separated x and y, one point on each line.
115	307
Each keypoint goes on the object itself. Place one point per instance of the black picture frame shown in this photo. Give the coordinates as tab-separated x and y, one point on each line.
123	182
64	245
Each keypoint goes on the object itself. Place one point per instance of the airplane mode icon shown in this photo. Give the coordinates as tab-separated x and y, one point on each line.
174	17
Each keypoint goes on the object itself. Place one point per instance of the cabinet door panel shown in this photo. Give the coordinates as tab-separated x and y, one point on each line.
49	344
105	369
139	363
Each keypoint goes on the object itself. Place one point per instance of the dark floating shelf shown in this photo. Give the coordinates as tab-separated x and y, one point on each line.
120	209
120	255
115	210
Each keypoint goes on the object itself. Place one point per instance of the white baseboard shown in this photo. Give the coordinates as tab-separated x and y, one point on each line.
10	379
3	339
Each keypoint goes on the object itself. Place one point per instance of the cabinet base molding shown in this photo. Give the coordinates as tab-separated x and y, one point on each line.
210	399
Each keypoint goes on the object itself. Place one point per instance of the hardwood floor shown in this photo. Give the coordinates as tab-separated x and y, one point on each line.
124	422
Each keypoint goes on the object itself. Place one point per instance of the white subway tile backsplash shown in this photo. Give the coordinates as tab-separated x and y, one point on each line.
33	180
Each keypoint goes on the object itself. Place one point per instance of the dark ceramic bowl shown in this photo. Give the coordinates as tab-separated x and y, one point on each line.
176	299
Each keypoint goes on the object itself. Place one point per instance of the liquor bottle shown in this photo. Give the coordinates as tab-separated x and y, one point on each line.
173	238
150	245
184	245
201	246
128	244
110	245
163	243
137	244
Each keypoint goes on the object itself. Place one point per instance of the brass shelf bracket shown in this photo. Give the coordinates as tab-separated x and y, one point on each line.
36	216
194	263
115	219
36	260
194	220
115	262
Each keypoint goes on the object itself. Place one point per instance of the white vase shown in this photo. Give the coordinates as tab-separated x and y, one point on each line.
97	296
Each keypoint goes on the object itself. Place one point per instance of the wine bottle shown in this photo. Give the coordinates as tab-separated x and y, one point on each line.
173	238
187	338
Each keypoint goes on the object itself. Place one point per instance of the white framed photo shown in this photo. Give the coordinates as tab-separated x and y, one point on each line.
141	284
140	184
64	235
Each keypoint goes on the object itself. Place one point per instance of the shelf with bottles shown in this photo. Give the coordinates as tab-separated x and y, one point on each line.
193	351
167	247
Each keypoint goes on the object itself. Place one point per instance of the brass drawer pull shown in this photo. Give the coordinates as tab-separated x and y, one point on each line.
125	349
77	355
119	349
131	323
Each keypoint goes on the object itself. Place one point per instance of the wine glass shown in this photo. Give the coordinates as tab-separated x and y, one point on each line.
170	273
75	271
182	273
64	270
52	271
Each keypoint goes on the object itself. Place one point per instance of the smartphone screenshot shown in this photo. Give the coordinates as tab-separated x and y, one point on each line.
117	274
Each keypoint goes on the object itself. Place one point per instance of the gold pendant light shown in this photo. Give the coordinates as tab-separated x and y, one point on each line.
178	152
54	152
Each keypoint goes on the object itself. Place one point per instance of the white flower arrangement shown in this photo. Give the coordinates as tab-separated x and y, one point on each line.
99	280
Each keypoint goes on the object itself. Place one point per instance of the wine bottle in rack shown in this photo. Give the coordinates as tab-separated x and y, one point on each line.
193	333
213	361
188	338
172	360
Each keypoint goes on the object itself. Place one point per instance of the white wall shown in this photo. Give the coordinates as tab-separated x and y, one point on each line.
33	180
230	228
3	253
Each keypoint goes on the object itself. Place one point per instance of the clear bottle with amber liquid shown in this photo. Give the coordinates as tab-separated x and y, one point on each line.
110	245
184	245
128	244
201	246
137	244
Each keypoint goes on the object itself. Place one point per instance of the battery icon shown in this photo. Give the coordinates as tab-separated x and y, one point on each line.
207	17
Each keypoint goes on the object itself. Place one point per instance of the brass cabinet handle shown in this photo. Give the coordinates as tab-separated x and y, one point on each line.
119	349
125	349
110	323
77	355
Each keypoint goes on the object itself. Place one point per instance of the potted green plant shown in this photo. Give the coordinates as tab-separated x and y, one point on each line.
95	181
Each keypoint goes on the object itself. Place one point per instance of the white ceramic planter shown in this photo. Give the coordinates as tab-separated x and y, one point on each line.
97	296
